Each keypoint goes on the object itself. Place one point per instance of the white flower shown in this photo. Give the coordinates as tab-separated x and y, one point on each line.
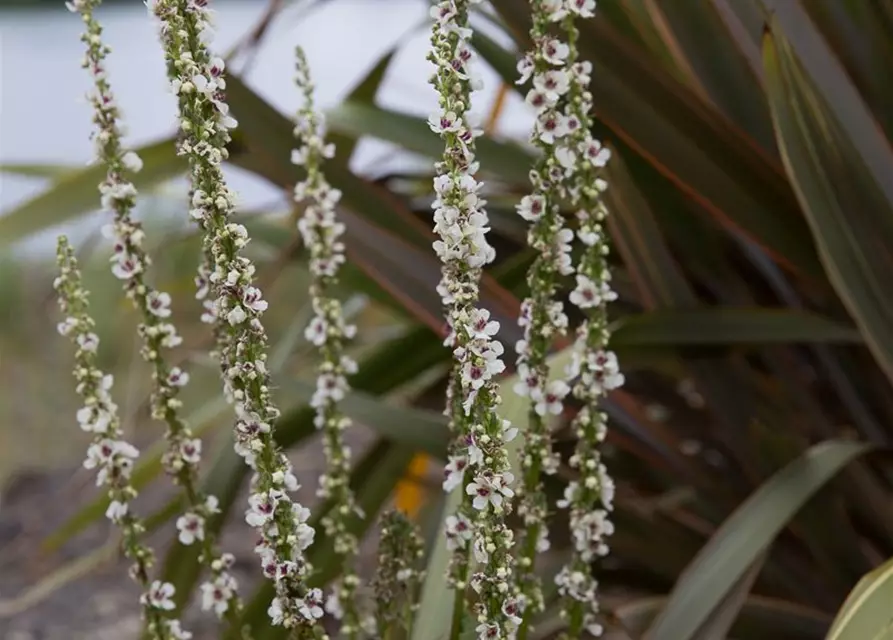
176	631
311	607
479	549
126	267
88	342
532	207
132	162
216	594
555	51
570	492
67	326
317	331
480	325
588	235
555	9
512	610
116	510
586	295
299	156
489	490
177	377
276	612
583	8
191	451
543	544
458	531
595	629
606	371
528	382
550	401
593	151
525	69
160	596
551	125
304	535
444	123
509	432
475	455
541	100
333	604
473	375
262	507
191	527
253	299
566	158
443	12
329	387
158	304
236	316
453	473
552	81
494	365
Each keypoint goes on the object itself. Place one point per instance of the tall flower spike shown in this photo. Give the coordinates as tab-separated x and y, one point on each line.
589	499
320	231
478	460
198	81
168	32
109	454
398	580
130	263
542	314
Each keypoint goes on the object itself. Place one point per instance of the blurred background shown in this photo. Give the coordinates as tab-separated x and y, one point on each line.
752	217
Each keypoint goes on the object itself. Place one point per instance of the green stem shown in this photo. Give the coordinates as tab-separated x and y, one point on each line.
459	602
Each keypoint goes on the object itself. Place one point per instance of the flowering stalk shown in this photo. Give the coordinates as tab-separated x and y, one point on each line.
205	123
109	453
130	263
398	580
320	231
590	498
478	460
542	315
202	278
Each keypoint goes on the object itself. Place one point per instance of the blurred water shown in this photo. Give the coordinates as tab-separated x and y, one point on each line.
44	118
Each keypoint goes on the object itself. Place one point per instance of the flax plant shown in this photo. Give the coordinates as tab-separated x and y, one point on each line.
320	231
594	367
130	264
478	461
542	315
109	454
199	83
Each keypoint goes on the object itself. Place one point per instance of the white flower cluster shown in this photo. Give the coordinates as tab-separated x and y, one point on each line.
479	459
542	317
593	368
130	264
321	232
109	454
197	79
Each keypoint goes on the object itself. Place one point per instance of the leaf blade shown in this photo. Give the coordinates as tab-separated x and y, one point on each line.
747	533
849	217
77	193
729	326
867	612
